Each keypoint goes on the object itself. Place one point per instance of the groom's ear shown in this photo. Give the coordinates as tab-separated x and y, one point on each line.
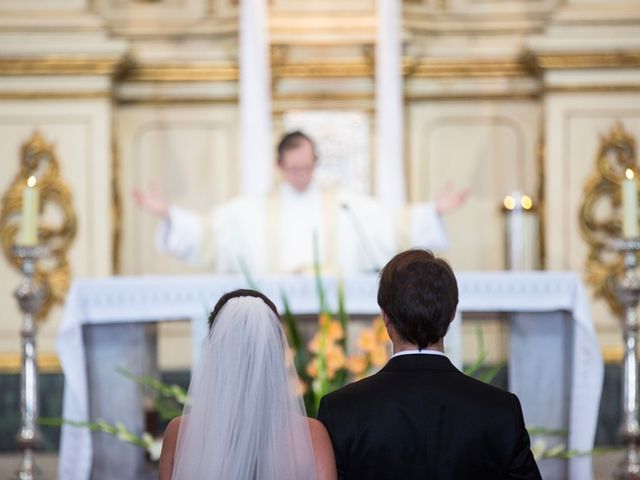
385	318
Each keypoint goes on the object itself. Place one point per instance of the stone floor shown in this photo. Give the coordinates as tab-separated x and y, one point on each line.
603	465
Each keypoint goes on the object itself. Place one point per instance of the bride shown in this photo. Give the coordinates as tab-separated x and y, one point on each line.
244	418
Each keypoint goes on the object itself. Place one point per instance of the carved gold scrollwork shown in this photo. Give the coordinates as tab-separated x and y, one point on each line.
602	197
58	224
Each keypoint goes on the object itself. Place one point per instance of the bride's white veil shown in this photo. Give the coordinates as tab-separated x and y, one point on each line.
244	418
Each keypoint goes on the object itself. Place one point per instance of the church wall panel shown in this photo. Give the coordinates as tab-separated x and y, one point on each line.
574	125
487	146
80	132
190	152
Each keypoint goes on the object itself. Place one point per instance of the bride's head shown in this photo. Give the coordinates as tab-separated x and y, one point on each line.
245	328
240	293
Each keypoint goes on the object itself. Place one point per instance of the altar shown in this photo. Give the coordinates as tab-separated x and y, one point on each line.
555	364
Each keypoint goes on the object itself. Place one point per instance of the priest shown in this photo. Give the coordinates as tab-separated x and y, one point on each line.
284	230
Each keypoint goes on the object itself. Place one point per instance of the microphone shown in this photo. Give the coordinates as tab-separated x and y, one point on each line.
362	237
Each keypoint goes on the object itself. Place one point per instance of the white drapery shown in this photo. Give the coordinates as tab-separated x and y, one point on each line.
389	102
256	167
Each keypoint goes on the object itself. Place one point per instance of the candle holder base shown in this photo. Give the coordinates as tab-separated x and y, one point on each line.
28	469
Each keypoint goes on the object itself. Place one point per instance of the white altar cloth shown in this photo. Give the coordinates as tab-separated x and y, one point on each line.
144	299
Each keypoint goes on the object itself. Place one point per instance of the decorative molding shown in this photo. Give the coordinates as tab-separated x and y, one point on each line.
160	100
324	69
338	68
55	95
542	201
38	158
613	354
617	152
10	363
629	88
183	72
486	67
583	60
51	65
116	208
477	97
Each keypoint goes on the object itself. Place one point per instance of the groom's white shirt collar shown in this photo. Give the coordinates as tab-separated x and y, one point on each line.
421	352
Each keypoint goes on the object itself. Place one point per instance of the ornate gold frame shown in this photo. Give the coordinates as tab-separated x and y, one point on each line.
38	158
617	152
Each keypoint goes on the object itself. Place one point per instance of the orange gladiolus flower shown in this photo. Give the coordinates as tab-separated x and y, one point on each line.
380	331
356	364
366	341
312	368
335	359
314	344
336	332
379	356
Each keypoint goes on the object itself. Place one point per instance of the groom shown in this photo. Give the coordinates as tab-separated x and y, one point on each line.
420	417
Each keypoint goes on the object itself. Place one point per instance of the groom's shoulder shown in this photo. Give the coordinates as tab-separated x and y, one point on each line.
353	390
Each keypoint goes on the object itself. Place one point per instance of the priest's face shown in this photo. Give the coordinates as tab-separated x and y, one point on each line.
297	166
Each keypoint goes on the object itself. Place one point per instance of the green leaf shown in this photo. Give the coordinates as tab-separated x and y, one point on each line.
247	274
175	392
482	354
343	316
317	275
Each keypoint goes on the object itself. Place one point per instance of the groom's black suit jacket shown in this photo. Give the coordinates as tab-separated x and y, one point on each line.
421	418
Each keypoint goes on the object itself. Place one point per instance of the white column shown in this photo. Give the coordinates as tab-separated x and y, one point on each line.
390	184
256	156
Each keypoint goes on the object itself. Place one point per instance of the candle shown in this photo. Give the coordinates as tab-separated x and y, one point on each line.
30	207
629	205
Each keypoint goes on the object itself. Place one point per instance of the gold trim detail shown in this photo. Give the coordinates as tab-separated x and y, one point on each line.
56	95
324	70
56	230
187	72
59	66
617	152
116	207
47	363
563	61
628	88
613	354
432	68
346	68
162	100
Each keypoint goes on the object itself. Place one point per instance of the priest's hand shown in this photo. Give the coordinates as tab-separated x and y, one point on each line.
152	200
449	200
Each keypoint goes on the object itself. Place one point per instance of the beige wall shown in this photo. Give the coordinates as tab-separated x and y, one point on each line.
190	153
486	146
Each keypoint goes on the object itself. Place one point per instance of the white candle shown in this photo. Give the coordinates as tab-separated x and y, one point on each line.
629	205
30	207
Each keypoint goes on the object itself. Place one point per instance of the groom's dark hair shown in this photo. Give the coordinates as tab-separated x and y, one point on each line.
239	293
419	294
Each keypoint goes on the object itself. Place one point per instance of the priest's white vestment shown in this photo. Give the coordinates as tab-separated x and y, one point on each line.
274	233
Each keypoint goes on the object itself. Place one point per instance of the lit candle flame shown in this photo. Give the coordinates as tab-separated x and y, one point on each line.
629	174
31	182
509	202
526	202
